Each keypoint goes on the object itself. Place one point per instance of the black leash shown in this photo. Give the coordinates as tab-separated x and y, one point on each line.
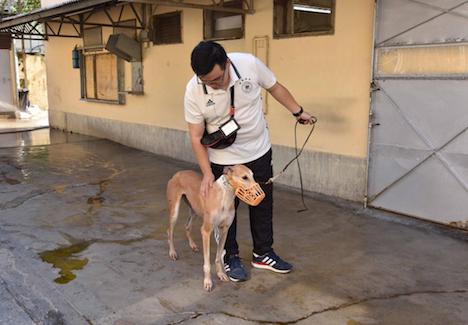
298	153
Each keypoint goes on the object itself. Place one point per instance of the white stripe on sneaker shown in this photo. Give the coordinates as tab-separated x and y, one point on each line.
268	267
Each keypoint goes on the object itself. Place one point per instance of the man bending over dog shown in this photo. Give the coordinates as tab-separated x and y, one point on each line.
223	109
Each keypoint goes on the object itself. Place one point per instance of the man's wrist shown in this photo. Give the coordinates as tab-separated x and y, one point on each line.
207	172
297	114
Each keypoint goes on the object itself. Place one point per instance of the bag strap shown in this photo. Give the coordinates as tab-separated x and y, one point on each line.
232	110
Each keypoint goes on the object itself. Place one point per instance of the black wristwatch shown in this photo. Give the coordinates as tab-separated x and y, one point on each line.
299	113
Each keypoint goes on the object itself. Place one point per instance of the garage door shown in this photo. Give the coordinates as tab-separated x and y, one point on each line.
418	153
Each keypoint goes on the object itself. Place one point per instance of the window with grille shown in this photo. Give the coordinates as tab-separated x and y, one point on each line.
303	17
167	28
218	25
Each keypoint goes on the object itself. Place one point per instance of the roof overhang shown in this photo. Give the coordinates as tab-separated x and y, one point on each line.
48	21
247	5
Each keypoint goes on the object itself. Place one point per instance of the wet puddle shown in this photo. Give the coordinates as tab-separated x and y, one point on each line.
64	258
10	181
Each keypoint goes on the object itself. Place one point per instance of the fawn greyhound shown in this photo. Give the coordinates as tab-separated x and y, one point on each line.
216	209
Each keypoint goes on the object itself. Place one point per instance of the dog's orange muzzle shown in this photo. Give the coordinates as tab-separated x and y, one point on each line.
252	195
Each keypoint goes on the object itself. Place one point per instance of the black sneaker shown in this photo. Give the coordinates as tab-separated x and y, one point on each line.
271	261
234	268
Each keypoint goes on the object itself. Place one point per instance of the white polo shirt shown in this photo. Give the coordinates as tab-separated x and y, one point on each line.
213	106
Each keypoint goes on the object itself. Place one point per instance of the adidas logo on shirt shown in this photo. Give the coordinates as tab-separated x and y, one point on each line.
210	103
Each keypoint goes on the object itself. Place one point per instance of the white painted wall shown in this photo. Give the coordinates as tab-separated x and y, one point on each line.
6	90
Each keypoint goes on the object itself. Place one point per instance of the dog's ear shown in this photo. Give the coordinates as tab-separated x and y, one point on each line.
227	170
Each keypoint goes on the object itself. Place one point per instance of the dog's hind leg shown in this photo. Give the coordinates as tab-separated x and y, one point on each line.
173	199
188	230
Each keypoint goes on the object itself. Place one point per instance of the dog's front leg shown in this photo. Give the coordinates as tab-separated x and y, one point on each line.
206	230
223	231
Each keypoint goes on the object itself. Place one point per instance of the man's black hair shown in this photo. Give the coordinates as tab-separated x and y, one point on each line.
206	55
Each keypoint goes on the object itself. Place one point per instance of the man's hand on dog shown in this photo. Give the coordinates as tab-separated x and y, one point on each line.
206	184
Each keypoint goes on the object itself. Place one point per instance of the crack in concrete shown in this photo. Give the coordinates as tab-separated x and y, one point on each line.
364	300
22	199
331	308
192	316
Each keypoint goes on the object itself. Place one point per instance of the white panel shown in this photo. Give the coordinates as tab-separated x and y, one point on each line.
446	28
436	108
420	22
6	95
429	192
230	22
396	16
455	155
396	147
444	4
390	163
392	128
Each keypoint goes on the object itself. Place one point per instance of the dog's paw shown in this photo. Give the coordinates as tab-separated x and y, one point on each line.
208	285
222	276
194	248
173	255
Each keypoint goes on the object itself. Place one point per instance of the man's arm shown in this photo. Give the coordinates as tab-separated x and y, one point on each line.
201	154
284	97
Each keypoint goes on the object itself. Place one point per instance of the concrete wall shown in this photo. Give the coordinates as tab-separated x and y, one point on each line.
36	78
329	76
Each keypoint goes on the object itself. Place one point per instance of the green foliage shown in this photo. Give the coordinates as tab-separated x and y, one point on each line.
20	6
28	5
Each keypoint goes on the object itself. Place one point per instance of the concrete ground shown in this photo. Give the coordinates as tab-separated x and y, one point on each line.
34	119
82	241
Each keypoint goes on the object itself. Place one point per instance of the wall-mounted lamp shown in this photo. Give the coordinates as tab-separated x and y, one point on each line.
76	58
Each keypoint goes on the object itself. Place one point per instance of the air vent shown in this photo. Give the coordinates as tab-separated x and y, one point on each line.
124	47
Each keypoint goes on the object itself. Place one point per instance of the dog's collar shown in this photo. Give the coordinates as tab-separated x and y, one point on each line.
225	182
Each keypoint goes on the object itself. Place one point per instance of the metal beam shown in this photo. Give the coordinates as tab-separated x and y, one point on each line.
34	25
121	12
136	14
182	4
61	14
109	16
95	24
50	13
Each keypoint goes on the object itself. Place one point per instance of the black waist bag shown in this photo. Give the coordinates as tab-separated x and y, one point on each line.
217	140
226	133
